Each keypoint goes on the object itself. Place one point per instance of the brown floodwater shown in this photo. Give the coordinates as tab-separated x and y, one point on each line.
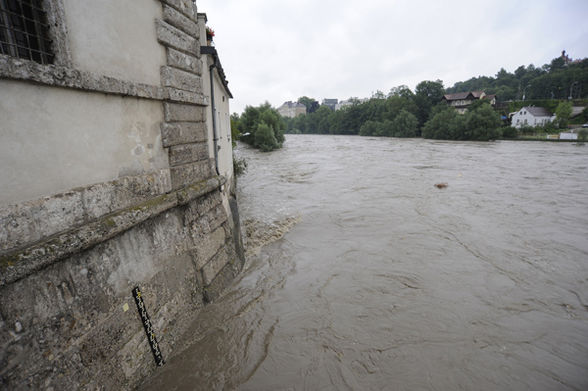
362	275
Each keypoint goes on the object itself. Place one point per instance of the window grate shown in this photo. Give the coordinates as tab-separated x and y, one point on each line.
24	31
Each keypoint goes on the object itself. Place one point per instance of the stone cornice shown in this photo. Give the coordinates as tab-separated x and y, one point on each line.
19	263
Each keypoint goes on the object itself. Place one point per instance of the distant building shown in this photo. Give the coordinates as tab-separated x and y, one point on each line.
344	103
331	103
350	102
292	109
531	116
461	100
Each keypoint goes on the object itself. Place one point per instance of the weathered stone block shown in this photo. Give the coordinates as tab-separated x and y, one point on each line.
177	112
214	266
175	95
186	7
183	133
58	213
184	61
170	36
32	221
208	245
217	217
223	278
199	209
20	263
99	199
13	68
179	20
189	173
187	153
213	219
176	78
197	190
17	227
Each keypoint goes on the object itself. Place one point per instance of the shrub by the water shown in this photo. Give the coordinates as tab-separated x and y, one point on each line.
509	132
262	127
265	138
480	123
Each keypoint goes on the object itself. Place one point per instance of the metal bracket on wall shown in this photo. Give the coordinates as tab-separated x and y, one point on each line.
148	327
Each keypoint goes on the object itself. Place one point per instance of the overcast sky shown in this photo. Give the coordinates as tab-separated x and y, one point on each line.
279	50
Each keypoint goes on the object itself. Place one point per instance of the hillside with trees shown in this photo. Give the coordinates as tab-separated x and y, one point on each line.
422	113
562	78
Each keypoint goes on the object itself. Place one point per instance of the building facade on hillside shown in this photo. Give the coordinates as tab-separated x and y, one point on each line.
461	100
292	109
117	174
331	103
531	116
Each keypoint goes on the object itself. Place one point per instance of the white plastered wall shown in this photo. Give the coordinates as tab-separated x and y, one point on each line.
116	38
55	139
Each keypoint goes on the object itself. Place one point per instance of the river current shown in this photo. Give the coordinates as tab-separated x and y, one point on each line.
363	275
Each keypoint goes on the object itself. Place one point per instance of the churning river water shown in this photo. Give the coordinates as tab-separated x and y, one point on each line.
382	281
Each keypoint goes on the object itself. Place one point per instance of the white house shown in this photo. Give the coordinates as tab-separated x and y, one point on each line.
531	116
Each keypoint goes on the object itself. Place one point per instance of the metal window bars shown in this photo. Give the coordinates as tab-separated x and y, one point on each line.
24	31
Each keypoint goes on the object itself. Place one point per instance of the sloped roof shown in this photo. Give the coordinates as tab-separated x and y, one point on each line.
291	104
537	111
457	96
464	95
577	110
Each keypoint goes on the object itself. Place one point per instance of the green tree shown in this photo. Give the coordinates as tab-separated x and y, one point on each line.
369	128
427	94
271	117
563	113
405	124
264	114
446	124
322	119
401	91
312	105
264	138
481	124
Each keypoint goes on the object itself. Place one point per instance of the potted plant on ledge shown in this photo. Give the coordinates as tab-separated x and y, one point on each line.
209	35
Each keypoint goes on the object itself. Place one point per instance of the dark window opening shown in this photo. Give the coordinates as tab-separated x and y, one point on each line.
24	31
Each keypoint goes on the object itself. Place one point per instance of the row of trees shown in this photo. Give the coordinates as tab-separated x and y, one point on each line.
400	113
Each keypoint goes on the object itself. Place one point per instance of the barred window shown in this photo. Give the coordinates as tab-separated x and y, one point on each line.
24	31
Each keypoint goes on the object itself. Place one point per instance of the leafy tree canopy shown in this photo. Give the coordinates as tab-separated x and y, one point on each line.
264	120
312	105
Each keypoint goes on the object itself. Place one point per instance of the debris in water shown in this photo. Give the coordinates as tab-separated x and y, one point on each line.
441	185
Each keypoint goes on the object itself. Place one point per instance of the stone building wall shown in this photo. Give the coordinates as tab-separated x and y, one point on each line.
107	184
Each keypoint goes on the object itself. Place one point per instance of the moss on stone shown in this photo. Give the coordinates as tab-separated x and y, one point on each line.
8	260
